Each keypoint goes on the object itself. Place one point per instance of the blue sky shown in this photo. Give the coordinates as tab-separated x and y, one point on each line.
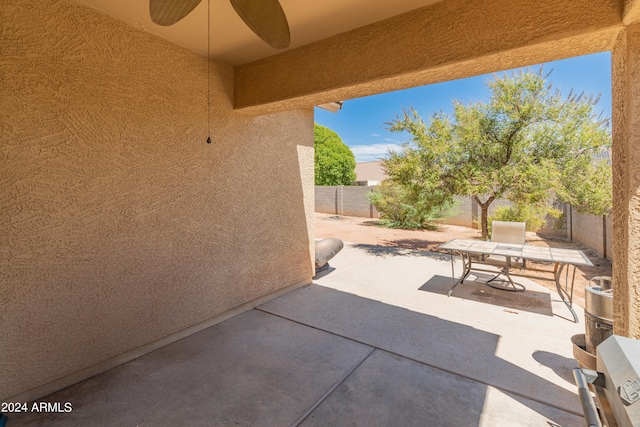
361	122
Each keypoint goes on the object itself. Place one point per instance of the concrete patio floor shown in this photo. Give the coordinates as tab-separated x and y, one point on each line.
374	341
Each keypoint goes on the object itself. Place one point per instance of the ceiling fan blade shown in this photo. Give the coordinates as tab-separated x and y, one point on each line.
168	12
266	19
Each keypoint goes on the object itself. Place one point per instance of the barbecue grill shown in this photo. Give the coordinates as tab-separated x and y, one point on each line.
615	384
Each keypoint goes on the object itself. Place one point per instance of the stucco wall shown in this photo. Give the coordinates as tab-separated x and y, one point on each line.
625	156
120	225
448	40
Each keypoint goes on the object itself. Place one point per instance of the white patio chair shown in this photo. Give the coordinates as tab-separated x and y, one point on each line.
507	232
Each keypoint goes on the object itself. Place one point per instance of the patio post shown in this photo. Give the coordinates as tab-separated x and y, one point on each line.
626	181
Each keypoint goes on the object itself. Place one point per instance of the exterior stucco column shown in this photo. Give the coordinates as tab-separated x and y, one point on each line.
626	182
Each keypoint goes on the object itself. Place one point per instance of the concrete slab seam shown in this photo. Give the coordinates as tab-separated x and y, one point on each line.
332	389
503	389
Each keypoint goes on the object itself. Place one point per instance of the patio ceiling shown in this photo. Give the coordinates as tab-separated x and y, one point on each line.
231	40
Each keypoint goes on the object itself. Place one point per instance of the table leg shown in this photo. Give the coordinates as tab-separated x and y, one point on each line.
466	265
453	274
466	268
566	295
515	287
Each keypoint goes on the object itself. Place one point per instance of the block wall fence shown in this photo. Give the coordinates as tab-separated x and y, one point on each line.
590	230
345	200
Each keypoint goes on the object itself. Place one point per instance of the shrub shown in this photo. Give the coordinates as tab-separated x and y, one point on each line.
399	207
535	216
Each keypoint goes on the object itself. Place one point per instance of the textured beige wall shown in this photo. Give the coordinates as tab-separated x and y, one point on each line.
448	40
120	225
626	182
631	11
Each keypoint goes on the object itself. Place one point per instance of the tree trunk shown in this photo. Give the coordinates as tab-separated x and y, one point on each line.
484	220
484	215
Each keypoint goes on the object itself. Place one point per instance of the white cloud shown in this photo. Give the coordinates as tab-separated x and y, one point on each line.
372	152
375	134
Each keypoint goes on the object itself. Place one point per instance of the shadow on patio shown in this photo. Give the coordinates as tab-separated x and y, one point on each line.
528	300
392	355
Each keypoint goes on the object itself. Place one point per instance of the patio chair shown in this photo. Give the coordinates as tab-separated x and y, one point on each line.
509	232
506	232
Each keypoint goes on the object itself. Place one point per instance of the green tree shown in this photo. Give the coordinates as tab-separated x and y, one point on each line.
334	161
527	144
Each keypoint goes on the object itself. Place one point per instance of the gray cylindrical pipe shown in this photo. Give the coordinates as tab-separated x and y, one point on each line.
327	249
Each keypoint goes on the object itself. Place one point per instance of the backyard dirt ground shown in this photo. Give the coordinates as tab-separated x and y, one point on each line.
365	231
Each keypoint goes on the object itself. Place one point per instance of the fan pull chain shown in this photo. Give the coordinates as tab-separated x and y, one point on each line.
208	69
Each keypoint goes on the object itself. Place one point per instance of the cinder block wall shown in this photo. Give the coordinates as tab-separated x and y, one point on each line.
345	200
121	227
328	199
590	230
465	213
355	202
351	201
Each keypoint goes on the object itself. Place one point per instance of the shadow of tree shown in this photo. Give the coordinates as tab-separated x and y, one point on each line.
406	247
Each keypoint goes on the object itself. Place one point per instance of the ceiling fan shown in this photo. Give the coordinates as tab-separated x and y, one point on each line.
264	17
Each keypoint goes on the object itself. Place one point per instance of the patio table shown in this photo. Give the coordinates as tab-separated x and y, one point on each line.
560	257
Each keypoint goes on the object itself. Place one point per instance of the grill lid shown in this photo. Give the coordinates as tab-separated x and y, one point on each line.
618	358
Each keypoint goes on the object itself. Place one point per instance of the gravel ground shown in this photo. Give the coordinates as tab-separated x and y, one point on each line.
365	231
